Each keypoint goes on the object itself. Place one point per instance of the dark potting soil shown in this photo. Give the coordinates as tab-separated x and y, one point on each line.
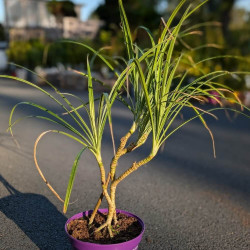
126	229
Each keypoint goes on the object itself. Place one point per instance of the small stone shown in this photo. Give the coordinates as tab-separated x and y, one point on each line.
148	240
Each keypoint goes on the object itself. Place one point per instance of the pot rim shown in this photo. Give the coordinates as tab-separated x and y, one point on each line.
103	210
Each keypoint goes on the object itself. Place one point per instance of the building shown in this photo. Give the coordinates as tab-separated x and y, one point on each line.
27	19
30	19
29	13
73	28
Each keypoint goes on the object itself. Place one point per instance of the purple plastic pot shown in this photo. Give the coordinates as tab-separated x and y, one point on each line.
128	245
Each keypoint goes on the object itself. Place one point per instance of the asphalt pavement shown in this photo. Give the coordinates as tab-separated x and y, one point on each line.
187	199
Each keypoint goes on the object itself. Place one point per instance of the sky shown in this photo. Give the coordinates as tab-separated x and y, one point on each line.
90	5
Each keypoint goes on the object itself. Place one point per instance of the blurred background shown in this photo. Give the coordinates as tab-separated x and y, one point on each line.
31	32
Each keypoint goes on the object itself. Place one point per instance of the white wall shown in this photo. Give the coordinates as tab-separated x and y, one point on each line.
29	13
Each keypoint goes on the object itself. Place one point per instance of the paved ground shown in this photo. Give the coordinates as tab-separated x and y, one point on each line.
188	199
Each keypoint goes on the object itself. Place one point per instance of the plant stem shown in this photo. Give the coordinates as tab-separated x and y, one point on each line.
133	168
109	220
114	184
102	169
104	186
98	203
115	217
120	152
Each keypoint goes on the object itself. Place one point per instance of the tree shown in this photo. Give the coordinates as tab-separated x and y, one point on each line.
61	9
219	10
232	41
141	12
2	33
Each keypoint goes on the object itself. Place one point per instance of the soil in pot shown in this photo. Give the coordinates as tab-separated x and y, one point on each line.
127	228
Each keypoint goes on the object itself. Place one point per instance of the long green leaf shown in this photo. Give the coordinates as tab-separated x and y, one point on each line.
62	121
200	116
91	102
189	120
127	32
108	107
95	52
148	102
150	35
71	180
84	127
51	120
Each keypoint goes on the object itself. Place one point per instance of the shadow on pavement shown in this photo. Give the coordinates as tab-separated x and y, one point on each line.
36	216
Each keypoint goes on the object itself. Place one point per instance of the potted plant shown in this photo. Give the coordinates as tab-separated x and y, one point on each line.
160	92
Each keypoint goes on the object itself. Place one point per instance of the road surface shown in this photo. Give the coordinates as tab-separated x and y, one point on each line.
187	199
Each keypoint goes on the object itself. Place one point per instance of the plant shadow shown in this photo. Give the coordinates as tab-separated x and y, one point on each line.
36	216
